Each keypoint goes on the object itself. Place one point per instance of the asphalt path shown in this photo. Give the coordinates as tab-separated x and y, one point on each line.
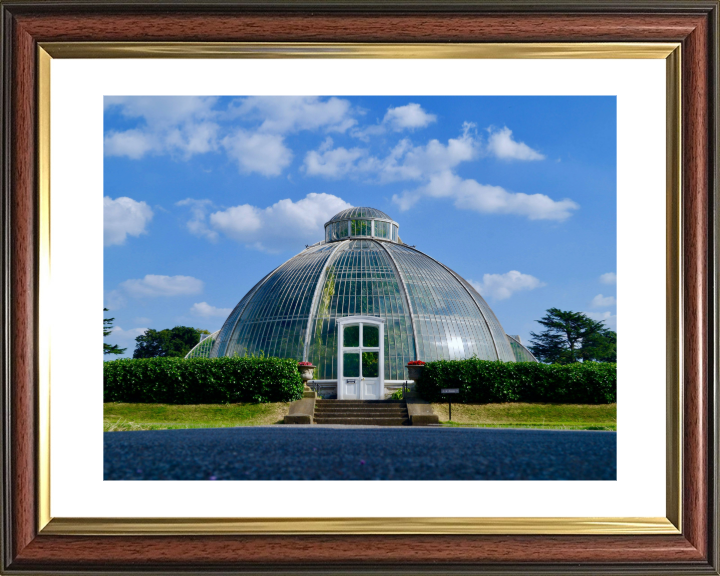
359	453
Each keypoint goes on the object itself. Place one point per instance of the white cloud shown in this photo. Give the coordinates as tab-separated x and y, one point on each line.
163	111
155	285
404	162
204	310
434	163
284	114
122	217
406	117
471	195
197	225
608	318
601	301
131	143
178	125
608	278
502	145
332	163
285	224
502	286
186	126
258	152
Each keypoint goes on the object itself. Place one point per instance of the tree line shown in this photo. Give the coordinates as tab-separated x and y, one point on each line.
168	343
568	337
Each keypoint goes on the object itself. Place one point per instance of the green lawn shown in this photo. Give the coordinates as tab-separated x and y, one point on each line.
523	415
122	417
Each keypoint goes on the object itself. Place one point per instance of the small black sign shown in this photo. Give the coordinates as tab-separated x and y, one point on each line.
450	390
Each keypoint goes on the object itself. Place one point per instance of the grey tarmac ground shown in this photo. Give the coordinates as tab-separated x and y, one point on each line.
359	453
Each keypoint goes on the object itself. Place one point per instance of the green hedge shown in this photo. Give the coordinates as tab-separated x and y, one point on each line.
202	380
482	381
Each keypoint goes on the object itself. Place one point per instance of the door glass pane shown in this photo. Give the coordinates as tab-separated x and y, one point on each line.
351	337
371	336
351	364
370	364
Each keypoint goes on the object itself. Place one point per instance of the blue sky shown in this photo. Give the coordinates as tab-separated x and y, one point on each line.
205	195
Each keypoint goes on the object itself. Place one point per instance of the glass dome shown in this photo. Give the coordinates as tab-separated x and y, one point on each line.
430	312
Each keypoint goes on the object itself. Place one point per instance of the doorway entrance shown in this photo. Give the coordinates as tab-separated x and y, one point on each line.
361	358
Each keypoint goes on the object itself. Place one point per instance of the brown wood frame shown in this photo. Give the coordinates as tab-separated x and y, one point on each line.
694	23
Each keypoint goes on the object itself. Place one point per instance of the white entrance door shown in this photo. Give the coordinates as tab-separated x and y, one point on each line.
361	358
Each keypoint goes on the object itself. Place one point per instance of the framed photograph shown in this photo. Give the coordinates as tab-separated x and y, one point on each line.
238	167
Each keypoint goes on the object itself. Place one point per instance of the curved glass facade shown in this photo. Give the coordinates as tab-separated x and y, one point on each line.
521	353
203	348
430	312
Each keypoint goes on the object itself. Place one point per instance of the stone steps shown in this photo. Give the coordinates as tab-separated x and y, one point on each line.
361	412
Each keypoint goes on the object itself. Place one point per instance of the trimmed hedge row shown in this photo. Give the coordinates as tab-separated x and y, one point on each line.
202	380
482	381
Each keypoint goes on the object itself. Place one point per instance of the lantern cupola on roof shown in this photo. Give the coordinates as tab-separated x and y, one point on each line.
361	223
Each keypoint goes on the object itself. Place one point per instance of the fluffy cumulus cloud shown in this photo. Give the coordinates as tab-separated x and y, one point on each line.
468	194
285	114
124	217
156	285
332	162
186	126
601	301
501	145
258	152
502	286
179	125
280	226
205	310
404	162
408	117
608	278
434	166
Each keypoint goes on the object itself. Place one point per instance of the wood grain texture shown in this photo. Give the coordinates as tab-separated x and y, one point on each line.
663	554
22	292
358	28
696	191
391	550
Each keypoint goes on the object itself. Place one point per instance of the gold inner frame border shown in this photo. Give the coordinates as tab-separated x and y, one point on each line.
671	524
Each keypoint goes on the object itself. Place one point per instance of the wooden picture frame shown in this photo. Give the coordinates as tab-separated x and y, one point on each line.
31	545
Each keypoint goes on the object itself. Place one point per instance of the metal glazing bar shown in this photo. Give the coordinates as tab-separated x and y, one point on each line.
407	296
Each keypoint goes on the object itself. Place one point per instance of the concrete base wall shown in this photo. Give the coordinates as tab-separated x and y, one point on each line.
301	412
421	412
328	390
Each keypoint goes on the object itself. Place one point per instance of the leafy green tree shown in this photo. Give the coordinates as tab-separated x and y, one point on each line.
107	330
175	342
573	337
600	347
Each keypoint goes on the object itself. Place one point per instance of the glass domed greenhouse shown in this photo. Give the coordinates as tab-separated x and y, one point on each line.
363	270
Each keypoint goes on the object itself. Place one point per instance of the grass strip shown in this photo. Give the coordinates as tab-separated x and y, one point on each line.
530	415
121	417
